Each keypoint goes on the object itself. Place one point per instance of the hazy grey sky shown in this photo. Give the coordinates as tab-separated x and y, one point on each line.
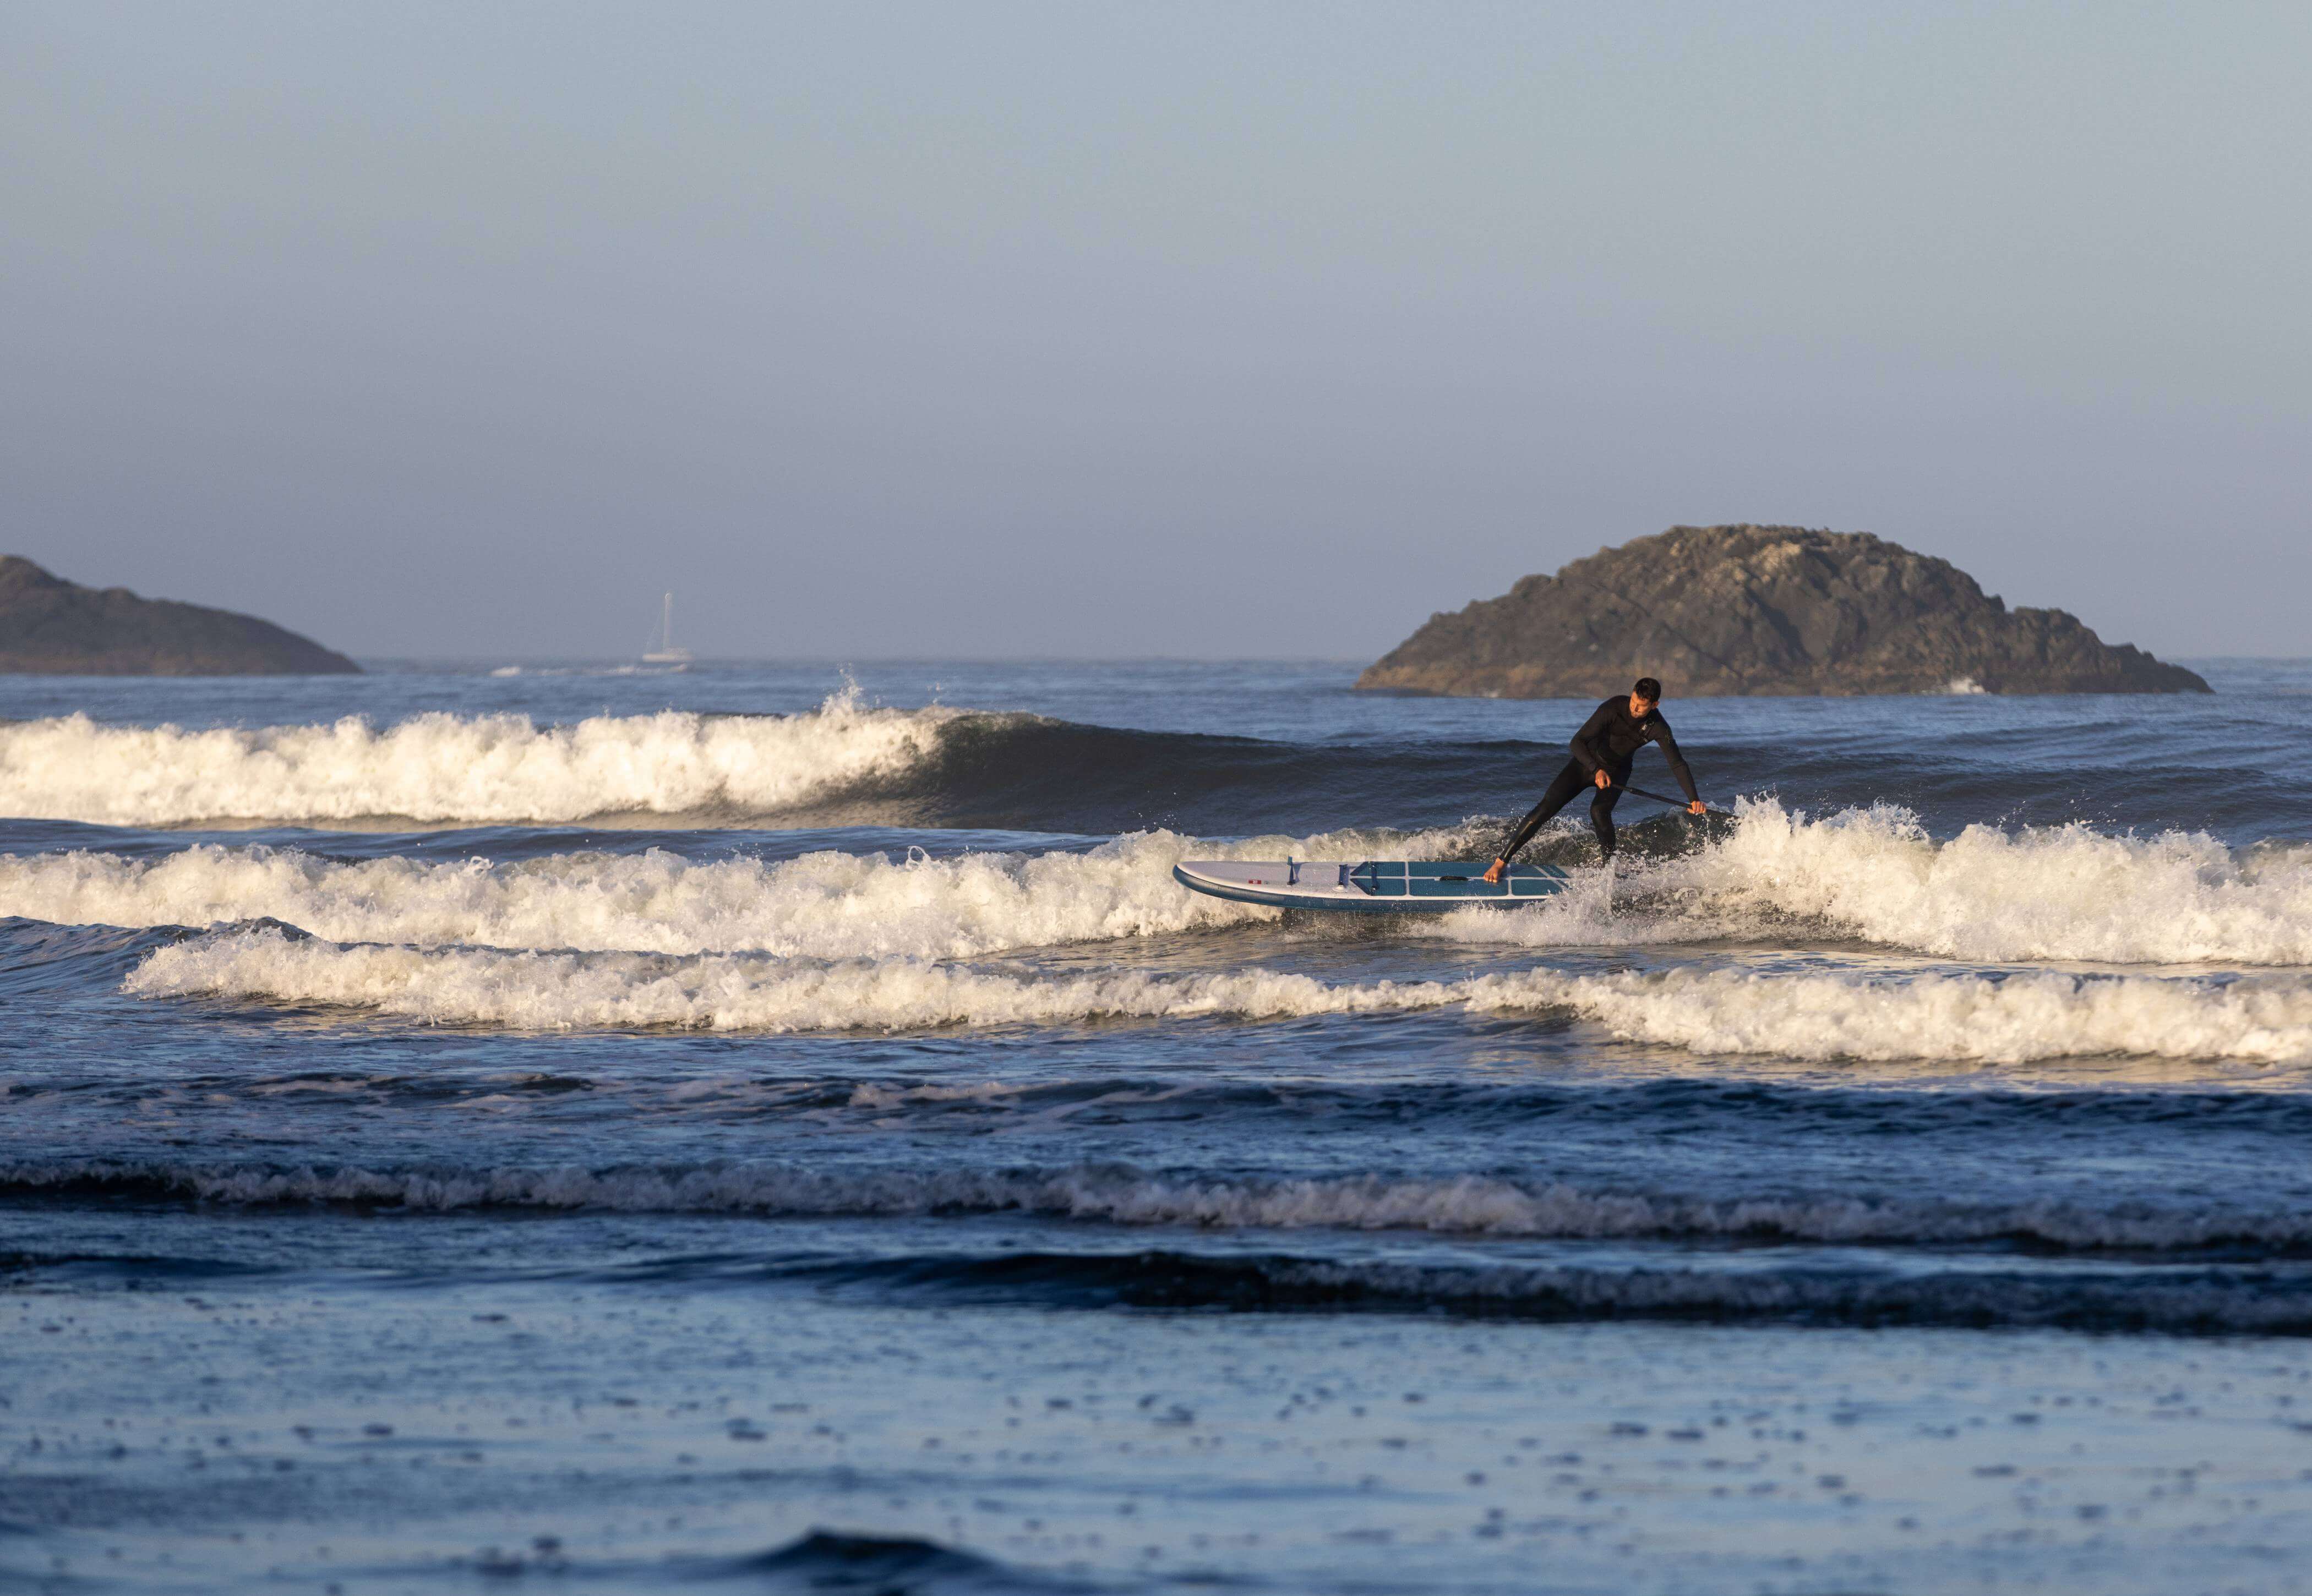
992	329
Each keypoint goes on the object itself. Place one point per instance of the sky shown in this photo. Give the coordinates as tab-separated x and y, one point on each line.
882	331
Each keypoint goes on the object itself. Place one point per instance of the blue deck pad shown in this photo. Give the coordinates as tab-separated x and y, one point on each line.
1445	878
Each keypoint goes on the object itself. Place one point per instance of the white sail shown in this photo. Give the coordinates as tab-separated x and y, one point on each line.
666	653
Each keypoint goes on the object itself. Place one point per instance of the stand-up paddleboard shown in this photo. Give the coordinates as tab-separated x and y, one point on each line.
1386	886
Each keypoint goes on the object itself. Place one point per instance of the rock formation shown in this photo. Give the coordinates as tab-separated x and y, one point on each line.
52	627
1721	610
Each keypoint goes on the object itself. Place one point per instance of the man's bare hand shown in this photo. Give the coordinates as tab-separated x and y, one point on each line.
1604	780
1697	808
1492	877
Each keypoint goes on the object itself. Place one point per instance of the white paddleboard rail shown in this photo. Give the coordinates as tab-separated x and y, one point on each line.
1385	887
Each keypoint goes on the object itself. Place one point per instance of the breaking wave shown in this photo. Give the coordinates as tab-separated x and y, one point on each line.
2066	893
438	768
1986	895
1984	1018
1962	1018
723	991
827	905
845	763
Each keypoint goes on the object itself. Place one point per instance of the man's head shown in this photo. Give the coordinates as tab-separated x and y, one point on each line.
1644	697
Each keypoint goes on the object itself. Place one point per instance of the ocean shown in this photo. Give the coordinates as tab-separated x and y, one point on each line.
782	1128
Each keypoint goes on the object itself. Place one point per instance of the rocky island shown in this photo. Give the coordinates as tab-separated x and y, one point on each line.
1716	611
49	626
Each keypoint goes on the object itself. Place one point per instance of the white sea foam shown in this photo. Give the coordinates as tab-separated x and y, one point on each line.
1986	895
1957	1017
825	905
1954	1017
723	991
1105	1192
485	769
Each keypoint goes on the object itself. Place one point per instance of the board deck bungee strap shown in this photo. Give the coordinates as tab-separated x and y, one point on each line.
1369	886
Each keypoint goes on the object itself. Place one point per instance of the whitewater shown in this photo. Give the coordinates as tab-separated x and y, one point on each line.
2063	893
446	767
2015	1018
828	905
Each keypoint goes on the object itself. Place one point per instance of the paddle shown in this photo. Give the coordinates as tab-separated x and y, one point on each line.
1641	792
1660	798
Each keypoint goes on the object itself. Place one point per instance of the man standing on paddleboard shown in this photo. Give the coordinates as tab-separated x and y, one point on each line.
1602	752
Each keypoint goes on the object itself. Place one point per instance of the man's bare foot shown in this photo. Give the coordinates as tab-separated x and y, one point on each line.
1492	877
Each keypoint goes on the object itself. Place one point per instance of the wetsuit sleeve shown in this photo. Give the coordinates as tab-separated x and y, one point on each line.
1586	746
1668	744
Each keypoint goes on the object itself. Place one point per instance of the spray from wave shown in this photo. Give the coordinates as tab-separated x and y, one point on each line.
2066	893
1987	895
1957	1017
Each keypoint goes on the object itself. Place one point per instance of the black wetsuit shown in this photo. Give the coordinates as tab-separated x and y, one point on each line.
1607	741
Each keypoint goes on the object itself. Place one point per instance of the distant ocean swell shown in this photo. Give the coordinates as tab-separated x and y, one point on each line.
1468	1206
1987	895
1935	1016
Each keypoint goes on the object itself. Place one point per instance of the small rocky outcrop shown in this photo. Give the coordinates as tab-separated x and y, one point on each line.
49	626
1715	611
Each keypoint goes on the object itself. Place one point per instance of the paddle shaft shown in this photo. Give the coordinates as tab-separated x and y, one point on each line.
1660	798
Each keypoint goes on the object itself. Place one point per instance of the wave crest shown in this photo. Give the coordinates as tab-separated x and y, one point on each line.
1986	895
1968	1018
441	768
825	905
723	992
1109	1194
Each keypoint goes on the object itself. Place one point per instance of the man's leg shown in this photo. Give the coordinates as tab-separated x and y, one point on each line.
1601	815
1569	780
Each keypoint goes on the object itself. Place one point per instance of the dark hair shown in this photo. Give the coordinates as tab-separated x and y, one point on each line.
1648	689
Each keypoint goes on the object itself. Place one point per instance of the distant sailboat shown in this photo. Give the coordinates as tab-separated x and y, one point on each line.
666	653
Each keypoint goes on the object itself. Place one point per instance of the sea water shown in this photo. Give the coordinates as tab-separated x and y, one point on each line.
781	1128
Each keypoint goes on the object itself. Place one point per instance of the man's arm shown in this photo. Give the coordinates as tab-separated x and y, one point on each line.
1668	744
1592	758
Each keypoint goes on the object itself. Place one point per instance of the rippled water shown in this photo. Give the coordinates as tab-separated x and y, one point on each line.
619	1126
